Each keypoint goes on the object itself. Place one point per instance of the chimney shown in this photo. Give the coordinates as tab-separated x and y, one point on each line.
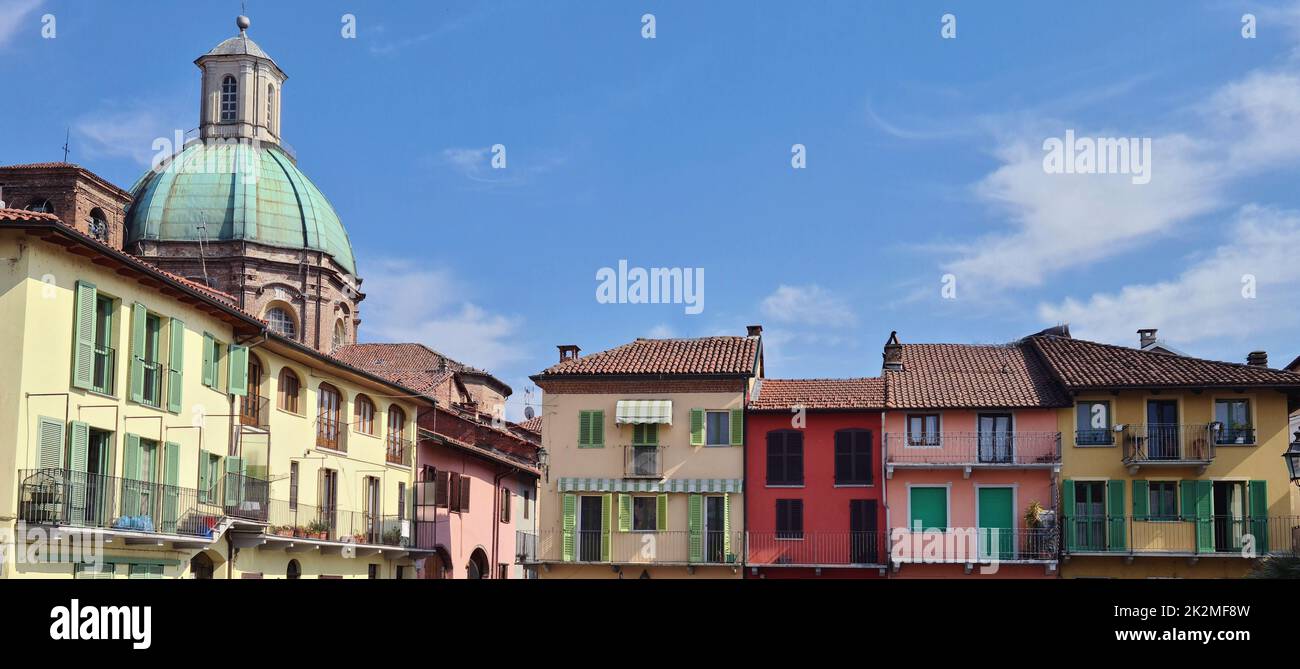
1257	359
893	353
568	351
754	331
1146	337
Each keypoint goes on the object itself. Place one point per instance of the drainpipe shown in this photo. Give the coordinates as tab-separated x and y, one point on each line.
496	510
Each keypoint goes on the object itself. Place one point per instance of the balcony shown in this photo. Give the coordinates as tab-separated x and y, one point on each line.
331	433
255	412
151	384
525	547
971	450
1168	445
643	461
1210	536
975	545
105	366
668	548
398	451
817	549
315	525
67	498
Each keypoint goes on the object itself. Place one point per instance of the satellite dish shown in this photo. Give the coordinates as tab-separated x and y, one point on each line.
528	412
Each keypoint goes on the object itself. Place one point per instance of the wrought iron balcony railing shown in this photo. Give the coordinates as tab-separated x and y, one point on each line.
398	451
1168	443
305	521
672	547
817	548
105	367
1241	536
255	412
643	461
973	449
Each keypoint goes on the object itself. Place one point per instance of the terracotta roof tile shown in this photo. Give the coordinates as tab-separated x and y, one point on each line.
1081	364
25	215
706	355
418	366
783	394
940	376
533	425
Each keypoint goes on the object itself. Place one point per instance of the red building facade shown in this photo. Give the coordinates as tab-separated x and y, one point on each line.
813	483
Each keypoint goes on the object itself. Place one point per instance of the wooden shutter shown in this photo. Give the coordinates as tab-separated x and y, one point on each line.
584	428
726	527
175	365
624	513
453	491
1204	516
661	515
171	479
598	428
570	521
209	360
695	527
49	438
131	471
78	462
83	335
505	504
737	427
234	483
1141	499
441	481
1187	499
464	493
1067	514
1115	514
1258	494
606	524
139	315
204	481
238	372
697	427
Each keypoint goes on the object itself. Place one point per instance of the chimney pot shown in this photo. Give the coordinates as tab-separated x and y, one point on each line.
754	330
1257	359
1146	337
568	351
893	353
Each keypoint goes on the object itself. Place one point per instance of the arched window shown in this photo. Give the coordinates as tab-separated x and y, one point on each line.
252	406
365	415
270	107
340	334
281	322
477	567
229	98
41	205
289	390
98	224
294	571
396	428
328	427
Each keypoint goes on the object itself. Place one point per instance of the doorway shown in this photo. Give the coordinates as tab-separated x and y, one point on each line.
1162	430
1089	515
995	437
863	543
1229	514
590	525
715	529
997	523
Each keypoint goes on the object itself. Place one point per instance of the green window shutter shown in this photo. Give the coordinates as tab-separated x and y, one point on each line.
83	336
175	365
661	515
1141	499
584	429
171	493
652	434
624	513
1115	515
1204	516
1258	493
138	317
209	360
570	518
49	443
1187	499
131	471
1068	521
238	374
697	427
737	427
606	524
695	527
78	462
598	429
204	482
929	508
234	485
726	527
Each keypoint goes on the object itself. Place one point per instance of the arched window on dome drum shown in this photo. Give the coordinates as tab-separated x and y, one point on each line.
229	98
281	322
340	334
328	426
98	224
270	107
42	205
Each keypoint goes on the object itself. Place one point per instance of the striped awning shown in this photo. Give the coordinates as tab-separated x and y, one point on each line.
671	485
643	411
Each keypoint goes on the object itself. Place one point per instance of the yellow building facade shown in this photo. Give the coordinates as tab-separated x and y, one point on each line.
162	432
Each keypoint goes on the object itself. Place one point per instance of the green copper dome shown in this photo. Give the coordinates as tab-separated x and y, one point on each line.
237	191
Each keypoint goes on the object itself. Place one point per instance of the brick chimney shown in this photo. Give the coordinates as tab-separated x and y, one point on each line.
568	351
754	331
1146	337
1257	359
893	354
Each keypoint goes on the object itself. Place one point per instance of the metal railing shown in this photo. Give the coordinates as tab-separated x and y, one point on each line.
974	448
305	521
672	547
817	548
398	451
974	544
331	434
1235	435
1168	442
255	412
243	496
1094	437
643	461
105	366
525	547
1178	535
152	392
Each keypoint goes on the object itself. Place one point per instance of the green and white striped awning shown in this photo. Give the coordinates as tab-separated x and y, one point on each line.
671	485
643	411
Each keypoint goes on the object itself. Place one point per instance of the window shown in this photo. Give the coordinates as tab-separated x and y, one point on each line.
591	429
98	224
281	322
646	434
105	362
372	571
396	427
144	570
457	487
289	391
42	205
923	430
293	486
927	508
89	570
213	353
365	415
503	570
789	519
229	98
270	107
1164	500
328	425
209	476
1092	422
528	498
329	495
784	457
151	361
401	501
1234	417
294	571
340	335
718	426
505	505
645	514
853	457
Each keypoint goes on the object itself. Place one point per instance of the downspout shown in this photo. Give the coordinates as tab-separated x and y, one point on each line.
496	510
884	484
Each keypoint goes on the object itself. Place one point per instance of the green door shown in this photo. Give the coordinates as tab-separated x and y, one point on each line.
929	508
996	524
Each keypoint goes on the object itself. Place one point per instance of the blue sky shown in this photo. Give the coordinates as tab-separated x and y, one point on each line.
924	159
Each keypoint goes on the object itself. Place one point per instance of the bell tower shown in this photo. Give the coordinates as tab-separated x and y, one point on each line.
240	90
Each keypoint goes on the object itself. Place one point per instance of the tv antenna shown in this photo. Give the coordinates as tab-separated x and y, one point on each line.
67	134
202	227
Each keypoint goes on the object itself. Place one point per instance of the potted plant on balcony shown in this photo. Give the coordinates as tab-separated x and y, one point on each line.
358	538
318	529
286	531
1239	432
392	536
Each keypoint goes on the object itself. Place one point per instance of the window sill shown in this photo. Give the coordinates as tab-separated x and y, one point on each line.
590	446
331	450
96	393
855	485
1110	445
291	413
786	485
1231	444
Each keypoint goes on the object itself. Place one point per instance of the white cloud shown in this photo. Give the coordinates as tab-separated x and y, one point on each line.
662	331
411	304
128	130
809	305
475	163
14	15
1205	302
